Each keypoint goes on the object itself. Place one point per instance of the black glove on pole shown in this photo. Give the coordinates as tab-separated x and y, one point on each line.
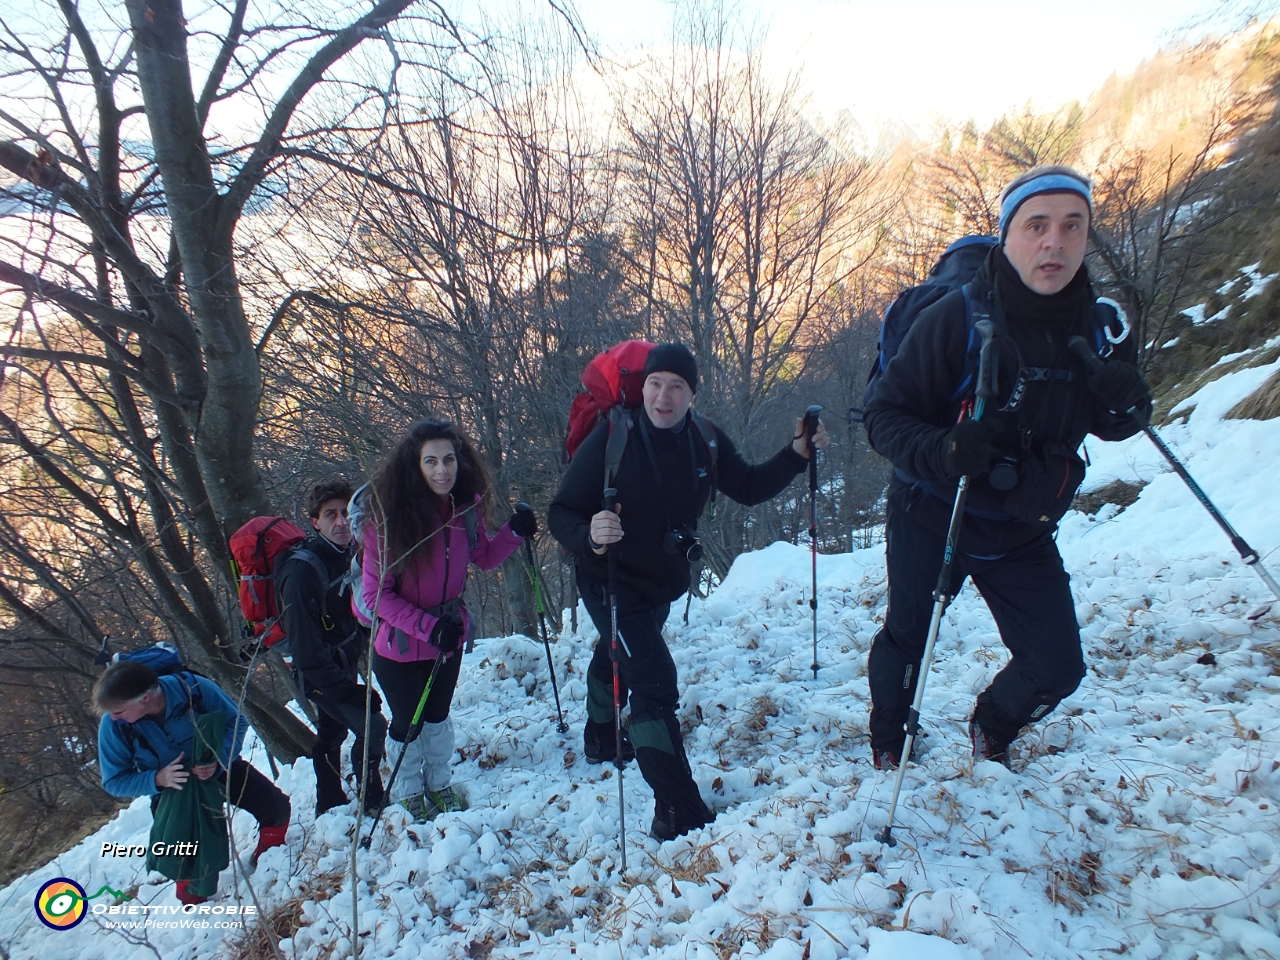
1097	370
811	427
524	522
561	726
986	388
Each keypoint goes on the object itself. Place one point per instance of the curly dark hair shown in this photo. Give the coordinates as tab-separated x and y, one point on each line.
322	493
405	508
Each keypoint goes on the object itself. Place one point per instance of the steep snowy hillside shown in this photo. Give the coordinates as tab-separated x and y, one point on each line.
1142	818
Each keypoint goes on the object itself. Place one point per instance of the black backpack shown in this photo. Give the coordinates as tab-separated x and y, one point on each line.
955	268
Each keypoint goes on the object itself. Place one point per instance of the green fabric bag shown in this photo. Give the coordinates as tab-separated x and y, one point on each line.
189	825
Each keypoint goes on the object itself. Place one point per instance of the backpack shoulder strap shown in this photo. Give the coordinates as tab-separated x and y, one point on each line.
619	430
707	432
315	563
976	307
470	521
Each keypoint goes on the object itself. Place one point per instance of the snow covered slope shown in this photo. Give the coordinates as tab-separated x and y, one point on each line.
1143	818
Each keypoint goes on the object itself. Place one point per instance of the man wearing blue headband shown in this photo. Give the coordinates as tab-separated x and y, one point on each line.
1022	459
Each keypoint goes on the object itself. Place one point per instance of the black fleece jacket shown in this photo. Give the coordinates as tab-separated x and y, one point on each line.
656	494
912	410
326	640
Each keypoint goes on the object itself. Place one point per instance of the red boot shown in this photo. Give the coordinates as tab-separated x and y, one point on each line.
185	895
268	837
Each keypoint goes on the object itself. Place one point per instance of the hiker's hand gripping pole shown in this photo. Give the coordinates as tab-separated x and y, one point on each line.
986	388
1093	363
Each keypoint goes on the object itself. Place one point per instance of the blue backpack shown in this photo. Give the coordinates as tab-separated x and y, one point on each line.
165	660
954	270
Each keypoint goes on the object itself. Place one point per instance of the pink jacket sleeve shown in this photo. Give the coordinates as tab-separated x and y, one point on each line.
391	607
489	552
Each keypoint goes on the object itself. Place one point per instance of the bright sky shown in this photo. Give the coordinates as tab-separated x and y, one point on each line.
915	61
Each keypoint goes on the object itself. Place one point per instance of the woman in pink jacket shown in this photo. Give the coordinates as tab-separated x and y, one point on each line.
430	503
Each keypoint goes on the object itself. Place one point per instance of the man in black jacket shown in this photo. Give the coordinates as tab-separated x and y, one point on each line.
663	481
326	642
1021	457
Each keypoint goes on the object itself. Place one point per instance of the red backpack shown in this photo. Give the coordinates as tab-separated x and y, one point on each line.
612	385
613	380
256	547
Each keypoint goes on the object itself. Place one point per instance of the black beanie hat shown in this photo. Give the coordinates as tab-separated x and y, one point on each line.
673	358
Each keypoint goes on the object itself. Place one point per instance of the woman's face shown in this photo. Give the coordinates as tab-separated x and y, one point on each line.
439	464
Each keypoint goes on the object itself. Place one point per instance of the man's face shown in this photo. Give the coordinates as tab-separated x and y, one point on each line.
1047	239
667	398
332	522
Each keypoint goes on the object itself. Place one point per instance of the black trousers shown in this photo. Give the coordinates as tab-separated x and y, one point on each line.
648	677
1029	594
336	717
250	791
402	684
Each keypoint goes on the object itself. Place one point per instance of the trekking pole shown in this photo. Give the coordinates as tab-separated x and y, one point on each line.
810	427
986	388
610	498
414	729
561	726
1080	347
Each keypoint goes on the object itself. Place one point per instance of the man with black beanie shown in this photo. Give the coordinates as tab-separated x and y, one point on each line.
1021	457
663	481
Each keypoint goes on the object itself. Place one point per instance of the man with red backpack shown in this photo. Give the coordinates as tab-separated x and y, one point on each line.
326	642
669	463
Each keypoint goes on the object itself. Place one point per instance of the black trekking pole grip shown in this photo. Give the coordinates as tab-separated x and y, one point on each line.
1094	365
986	386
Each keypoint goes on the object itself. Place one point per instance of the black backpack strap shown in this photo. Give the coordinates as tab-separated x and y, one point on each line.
707	433
470	522
312	560
619	430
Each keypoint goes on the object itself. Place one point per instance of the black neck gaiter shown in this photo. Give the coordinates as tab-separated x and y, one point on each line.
1065	309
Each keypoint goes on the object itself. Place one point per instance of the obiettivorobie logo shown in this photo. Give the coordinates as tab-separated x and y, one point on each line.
62	903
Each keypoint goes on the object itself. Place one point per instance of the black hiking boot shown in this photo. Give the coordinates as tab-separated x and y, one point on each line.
599	746
987	747
670	822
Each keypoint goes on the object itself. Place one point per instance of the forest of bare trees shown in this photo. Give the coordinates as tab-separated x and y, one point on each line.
240	253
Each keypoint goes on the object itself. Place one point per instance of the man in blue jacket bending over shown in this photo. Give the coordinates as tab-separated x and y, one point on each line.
148	731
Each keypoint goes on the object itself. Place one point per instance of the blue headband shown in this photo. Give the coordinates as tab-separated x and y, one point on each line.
1048	183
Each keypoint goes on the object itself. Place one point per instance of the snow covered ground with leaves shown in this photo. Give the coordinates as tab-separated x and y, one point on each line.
1142	818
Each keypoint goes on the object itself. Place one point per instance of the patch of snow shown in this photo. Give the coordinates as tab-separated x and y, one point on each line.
1141	817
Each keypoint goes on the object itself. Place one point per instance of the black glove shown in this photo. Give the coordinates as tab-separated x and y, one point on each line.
1119	387
447	635
966	450
523	522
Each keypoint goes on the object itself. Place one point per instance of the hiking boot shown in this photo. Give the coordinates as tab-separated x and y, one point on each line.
987	747
268	837
891	758
183	892
445	800
885	759
599	744
669	824
419	808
